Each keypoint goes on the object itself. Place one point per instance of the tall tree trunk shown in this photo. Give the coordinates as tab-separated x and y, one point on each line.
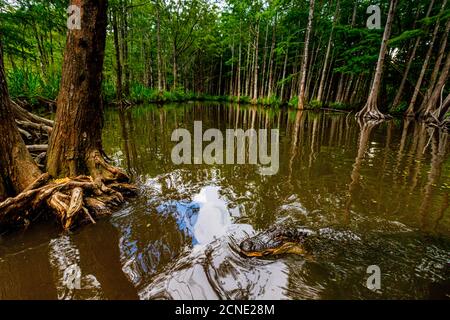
412	56
370	110
149	64
220	74
304	70
433	103
411	112
271	57
247	72
239	66
255	67
437	68
17	168
263	77
159	48
119	90
75	146
174	66
124	38
327	57
232	69
284	74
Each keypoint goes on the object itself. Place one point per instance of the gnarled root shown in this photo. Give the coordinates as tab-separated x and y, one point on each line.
73	201
370	112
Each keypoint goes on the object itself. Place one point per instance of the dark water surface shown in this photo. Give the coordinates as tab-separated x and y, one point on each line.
387	185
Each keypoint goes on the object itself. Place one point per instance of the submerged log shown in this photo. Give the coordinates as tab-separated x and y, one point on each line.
37	148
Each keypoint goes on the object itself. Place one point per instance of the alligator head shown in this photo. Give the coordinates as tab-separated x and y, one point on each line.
276	240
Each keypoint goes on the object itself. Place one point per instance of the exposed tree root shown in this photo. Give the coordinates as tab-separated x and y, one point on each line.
72	201
370	112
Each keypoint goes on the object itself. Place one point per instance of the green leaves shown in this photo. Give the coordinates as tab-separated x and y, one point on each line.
405	36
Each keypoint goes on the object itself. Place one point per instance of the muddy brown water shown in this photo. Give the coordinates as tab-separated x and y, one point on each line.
387	185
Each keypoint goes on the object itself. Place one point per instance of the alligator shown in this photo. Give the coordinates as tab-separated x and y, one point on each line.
276	240
281	239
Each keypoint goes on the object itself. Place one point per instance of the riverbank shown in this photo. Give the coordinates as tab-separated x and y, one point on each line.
40	93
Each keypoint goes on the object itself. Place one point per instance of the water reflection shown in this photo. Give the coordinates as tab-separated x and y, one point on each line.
388	183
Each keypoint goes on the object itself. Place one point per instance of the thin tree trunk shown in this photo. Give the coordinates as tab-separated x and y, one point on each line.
158	39
119	94
304	71
433	103
174	66
401	88
436	69
239	66
124	38
410	112
271	57
247	77
327	56
371	108
261	91
255	70
232	69
284	74
220	75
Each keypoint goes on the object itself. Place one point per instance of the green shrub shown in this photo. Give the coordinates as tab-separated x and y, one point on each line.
23	83
50	88
293	102
315	104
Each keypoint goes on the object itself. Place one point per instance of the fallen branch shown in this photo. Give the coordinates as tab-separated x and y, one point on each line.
38	148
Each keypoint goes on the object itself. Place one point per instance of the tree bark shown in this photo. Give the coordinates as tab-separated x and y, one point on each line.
370	110
263	77
158	40
255	70
436	69
239	65
411	112
75	146
327	56
271	58
433	103
119	90
284	73
304	70
400	90
17	168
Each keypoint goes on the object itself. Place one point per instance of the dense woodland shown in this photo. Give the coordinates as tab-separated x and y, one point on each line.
308	54
315	53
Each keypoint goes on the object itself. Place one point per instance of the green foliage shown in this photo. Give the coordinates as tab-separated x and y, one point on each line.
339	106
108	91
314	104
405	36
272	101
293	102
203	39
29	85
400	109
